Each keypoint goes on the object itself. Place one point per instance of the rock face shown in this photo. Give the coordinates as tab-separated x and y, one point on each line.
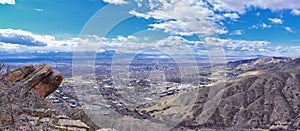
49	120
20	73
40	80
260	102
48	84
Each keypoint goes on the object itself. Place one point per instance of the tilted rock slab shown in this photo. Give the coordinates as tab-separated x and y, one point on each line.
40	80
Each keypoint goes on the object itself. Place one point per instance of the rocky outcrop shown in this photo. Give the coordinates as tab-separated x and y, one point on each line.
21	111
41	119
40	80
19	74
48	84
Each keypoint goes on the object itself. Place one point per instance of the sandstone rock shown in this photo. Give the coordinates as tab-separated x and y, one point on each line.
48	85
72	123
40	80
41	72
20	73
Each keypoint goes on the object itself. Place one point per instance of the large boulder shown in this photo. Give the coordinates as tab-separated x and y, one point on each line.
40	80
48	84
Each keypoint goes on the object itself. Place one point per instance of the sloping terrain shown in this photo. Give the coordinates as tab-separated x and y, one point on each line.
259	64
267	96
268	100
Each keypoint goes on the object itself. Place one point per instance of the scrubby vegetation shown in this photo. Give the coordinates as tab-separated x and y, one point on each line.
15	103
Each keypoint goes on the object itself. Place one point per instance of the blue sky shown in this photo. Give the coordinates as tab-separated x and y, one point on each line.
245	26
48	17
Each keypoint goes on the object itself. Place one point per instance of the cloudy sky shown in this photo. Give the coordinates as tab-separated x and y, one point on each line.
242	27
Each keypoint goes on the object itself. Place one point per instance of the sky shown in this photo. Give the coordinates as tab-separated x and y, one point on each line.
244	27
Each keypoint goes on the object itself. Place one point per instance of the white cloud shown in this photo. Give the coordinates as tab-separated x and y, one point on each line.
130	44
276	4
39	10
253	27
183	17
189	28
236	32
10	2
179	45
244	47
276	20
116	2
231	15
241	6
12	40
137	14
260	26
24	41
295	12
179	17
30	42
264	26
289	29
139	3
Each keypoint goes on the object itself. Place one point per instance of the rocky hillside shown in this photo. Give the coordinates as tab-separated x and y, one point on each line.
262	94
266	100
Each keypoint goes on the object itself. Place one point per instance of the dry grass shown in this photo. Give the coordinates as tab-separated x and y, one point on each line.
172	109
250	73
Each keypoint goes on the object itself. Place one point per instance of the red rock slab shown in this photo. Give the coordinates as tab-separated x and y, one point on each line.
48	85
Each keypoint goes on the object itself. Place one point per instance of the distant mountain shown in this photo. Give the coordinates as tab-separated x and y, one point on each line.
248	63
241	66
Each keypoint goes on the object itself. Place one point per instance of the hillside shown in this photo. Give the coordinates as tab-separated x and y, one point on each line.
267	98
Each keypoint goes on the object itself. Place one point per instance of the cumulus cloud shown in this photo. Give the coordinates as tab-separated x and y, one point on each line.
10	2
183	17
178	17
116	2
241	6
276	20
21	37
295	12
189	28
23	41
